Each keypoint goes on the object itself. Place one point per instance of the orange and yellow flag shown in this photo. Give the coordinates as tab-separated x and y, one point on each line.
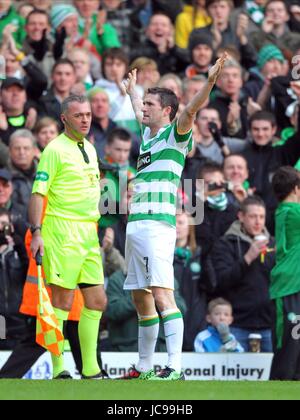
48	333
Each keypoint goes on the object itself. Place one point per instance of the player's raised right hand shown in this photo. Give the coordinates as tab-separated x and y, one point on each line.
128	86
217	69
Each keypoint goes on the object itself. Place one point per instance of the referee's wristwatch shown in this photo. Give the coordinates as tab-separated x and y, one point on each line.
35	228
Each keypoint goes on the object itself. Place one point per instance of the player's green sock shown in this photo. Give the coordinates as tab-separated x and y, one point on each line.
148	334
58	361
174	328
88	335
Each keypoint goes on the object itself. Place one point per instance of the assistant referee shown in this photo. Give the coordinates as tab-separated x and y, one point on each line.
68	175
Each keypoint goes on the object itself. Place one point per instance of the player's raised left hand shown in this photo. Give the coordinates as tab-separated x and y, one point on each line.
217	69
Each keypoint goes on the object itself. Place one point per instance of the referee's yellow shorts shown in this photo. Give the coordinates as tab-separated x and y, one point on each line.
72	253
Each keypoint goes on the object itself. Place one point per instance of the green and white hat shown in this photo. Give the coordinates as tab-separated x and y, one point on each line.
268	53
60	13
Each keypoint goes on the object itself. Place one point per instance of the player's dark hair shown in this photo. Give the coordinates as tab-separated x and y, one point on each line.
252	201
263	116
285	180
114	54
167	98
63	61
37	12
209	168
120	134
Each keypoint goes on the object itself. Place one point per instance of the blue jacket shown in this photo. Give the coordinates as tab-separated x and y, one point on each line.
209	341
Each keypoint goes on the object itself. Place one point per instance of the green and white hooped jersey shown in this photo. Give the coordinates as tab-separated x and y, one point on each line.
159	171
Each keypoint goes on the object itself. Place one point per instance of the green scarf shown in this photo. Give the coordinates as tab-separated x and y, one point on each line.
219	202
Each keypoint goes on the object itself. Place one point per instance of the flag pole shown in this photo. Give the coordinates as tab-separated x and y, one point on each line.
39	261
48	334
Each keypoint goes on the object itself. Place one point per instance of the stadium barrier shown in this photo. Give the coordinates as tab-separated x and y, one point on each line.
199	367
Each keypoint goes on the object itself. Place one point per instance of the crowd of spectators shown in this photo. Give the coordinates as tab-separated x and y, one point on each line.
243	135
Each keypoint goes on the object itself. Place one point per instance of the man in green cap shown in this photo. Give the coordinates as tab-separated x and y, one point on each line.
271	63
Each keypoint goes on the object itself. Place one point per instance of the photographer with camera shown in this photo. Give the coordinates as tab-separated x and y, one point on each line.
17	212
219	213
212	144
13	268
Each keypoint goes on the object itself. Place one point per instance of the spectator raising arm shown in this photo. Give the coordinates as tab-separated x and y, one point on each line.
186	120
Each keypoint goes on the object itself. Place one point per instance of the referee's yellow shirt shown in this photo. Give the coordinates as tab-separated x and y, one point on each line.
71	185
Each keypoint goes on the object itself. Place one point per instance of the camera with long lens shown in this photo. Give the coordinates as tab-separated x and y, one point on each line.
4	233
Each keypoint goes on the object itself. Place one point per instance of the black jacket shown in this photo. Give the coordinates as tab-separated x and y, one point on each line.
191	172
99	136
13	269
254	84
196	279
248	53
246	287
263	162
168	62
5	134
170	8
120	234
214	226
22	183
35	80
284	97
221	104
19	218
49	106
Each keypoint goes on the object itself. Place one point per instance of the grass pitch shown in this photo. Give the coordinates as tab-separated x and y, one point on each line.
135	390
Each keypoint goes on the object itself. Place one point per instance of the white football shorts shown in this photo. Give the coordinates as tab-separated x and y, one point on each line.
150	247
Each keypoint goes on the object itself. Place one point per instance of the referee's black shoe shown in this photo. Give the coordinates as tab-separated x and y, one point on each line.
102	376
63	376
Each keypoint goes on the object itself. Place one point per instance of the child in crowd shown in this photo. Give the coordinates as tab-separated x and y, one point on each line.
217	337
